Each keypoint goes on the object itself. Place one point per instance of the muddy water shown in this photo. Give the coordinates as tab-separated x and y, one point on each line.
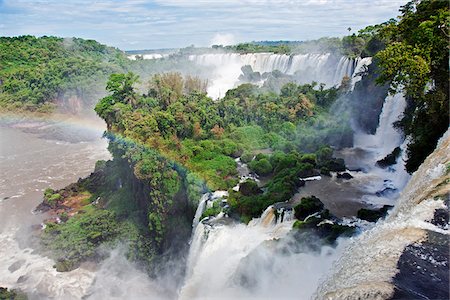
29	164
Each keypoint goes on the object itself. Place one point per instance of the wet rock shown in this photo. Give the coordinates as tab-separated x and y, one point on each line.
390	159
423	269
386	192
344	175
336	165
16	265
372	215
42	207
441	218
307	207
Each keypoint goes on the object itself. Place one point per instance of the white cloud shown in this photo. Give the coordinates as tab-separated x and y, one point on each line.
224	39
178	23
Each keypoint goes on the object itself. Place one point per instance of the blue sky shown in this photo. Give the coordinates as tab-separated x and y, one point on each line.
143	24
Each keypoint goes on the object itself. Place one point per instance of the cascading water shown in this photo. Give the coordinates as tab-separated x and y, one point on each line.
386	138
323	68
238	261
379	249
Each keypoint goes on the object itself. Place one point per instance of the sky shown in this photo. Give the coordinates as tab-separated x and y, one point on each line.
156	24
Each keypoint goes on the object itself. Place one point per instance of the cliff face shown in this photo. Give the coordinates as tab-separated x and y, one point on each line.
154	192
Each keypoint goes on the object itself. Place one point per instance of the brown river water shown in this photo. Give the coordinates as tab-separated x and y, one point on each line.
32	158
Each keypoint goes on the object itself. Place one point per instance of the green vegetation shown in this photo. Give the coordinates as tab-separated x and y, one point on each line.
286	170
416	59
36	72
372	215
255	48
312	217
176	125
6	294
307	207
99	214
80	236
51	197
214	210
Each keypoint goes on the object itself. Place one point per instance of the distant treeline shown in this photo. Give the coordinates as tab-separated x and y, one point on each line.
35	72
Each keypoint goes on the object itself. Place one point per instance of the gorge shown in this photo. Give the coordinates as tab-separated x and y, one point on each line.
271	170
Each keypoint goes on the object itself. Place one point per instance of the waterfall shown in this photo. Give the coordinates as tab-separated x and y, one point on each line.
361	65
200	209
386	137
217	251
370	263
322	68
383	184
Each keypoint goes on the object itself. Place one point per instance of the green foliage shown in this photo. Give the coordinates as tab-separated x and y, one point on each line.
247	157
6	294
51	197
170	126
255	48
250	201
79	237
36	72
214	210
249	188
416	58
261	167
307	206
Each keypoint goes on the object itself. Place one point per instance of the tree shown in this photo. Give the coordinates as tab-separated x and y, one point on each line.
416	61
121	87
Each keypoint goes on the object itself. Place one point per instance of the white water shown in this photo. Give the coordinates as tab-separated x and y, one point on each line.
369	263
369	148
322	68
149	56
221	256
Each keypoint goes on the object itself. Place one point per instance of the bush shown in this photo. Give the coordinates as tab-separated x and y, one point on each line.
261	167
249	188
53	199
246	157
307	207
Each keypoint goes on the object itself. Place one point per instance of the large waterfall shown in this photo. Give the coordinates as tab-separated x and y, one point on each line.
369	264
322	68
238	261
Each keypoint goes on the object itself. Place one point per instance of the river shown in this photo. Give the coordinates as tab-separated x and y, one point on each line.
33	157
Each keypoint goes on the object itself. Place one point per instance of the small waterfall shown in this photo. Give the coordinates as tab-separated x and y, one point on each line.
383	183
200	209
322	68
386	137
370	262
361	66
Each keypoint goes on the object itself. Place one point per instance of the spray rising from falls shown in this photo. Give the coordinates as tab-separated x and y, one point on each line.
381	247
230	260
238	261
323	68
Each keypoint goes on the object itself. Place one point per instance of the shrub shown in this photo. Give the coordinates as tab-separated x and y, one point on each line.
308	206
261	167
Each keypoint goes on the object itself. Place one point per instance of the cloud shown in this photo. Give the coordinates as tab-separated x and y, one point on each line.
178	23
223	39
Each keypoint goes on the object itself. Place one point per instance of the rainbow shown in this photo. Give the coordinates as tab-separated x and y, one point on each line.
36	121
